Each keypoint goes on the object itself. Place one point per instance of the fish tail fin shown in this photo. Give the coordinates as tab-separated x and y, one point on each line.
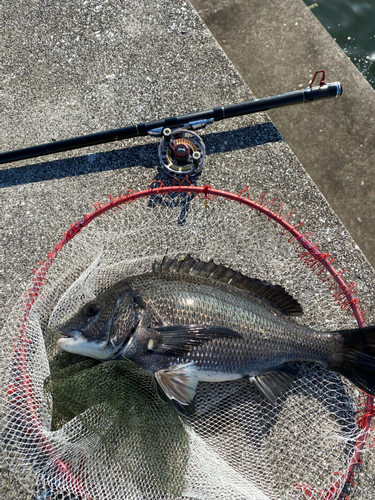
356	360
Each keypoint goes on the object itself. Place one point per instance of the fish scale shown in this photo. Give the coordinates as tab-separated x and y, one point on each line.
275	339
189	321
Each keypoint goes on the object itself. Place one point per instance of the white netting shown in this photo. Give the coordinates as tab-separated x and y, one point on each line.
72	427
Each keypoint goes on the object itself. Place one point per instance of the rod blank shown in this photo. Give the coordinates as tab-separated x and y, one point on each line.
142	129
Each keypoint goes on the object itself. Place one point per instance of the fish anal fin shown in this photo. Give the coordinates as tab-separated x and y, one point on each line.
179	384
273	384
275	295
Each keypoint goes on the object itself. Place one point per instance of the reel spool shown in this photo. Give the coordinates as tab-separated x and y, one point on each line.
181	153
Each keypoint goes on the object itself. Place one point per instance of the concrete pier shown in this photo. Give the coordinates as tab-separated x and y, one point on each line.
279	45
71	68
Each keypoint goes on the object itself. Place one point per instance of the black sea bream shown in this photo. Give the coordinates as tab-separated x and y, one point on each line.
189	321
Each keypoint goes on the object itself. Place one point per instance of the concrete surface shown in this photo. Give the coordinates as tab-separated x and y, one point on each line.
70	68
277	47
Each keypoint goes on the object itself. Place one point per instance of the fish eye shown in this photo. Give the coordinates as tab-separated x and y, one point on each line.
92	310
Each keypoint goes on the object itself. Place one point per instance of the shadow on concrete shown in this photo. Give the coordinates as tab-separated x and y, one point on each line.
144	156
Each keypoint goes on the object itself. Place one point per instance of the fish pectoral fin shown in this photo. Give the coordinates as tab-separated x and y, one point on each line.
271	385
179	384
176	340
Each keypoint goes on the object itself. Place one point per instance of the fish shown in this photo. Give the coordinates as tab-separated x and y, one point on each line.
189	321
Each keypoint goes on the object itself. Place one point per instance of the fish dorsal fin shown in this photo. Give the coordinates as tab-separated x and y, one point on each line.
271	385
179	384
276	295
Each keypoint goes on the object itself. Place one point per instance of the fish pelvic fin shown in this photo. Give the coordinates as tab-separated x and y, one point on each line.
176	340
273	384
356	360
179	384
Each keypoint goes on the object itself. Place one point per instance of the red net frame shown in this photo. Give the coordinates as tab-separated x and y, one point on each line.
20	387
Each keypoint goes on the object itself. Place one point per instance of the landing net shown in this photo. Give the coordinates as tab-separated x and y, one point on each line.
74	428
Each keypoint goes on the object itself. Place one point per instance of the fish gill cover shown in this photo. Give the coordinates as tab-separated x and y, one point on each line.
73	427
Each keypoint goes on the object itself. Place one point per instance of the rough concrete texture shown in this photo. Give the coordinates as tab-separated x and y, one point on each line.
70	68
277	47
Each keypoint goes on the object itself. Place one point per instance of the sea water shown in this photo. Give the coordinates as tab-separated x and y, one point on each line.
352	25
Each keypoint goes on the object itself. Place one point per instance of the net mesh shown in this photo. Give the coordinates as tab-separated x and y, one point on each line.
72	427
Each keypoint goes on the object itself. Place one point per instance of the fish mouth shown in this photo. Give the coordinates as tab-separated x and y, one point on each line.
75	342
69	335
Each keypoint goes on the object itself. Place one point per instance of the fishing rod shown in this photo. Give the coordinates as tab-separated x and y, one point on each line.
186	155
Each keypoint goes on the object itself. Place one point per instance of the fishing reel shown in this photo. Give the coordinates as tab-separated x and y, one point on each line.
181	153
